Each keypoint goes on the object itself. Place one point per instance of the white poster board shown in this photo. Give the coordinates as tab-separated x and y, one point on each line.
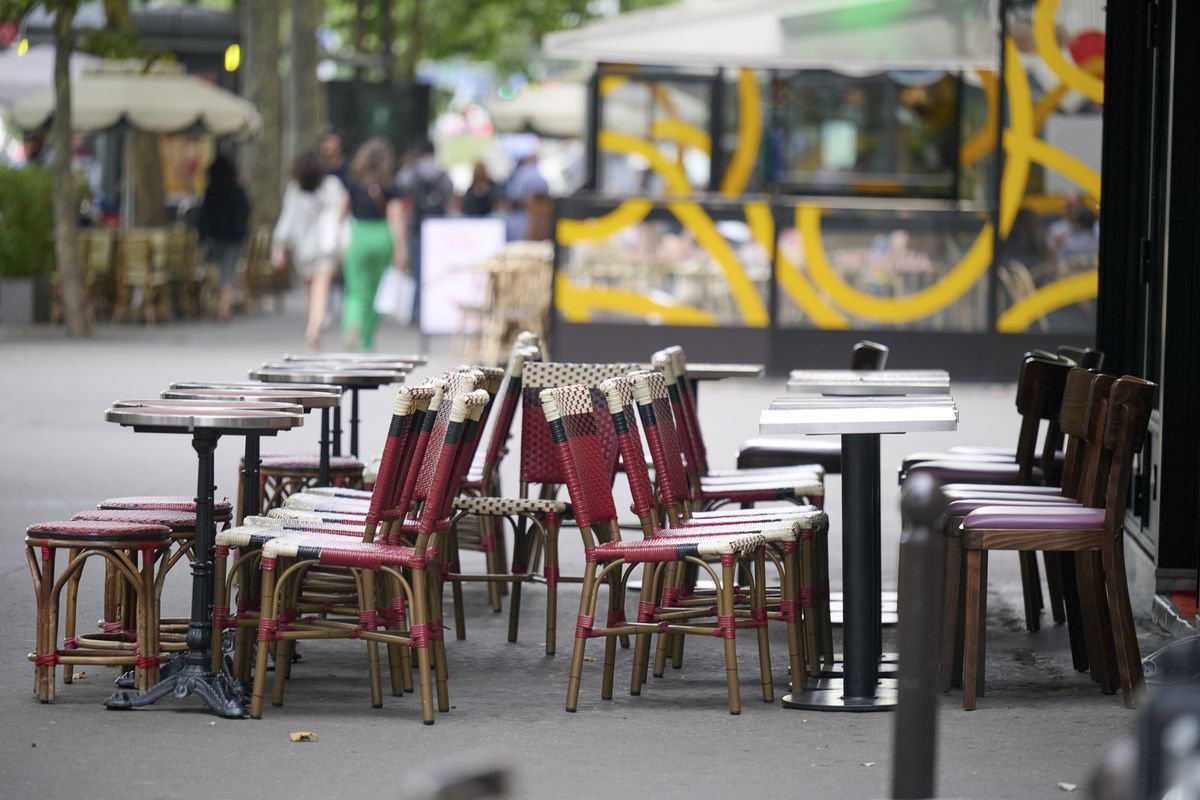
451	250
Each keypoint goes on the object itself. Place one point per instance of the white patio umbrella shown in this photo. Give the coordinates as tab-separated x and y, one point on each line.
162	100
21	76
560	109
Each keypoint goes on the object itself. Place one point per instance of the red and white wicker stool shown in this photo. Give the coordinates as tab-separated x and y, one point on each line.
132	549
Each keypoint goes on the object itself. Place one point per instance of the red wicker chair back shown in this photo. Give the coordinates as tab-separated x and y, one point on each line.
539	462
460	426
650	394
457	382
671	363
572	420
420	443
502	423
624	419
410	404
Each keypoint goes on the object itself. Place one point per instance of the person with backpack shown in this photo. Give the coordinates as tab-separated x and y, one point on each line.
429	192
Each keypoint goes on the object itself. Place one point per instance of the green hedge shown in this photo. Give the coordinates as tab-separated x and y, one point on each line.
26	222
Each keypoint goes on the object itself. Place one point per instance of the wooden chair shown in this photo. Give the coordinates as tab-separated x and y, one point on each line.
1095	533
763	451
141	279
1085	398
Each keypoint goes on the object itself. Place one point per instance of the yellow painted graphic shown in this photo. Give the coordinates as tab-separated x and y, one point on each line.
1052	297
1045	38
745	295
573	231
741	166
577	304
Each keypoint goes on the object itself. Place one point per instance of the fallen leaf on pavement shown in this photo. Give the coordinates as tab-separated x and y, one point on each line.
303	736
78	676
1068	787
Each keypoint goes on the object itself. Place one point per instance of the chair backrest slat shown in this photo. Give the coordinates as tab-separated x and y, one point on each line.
650	394
1129	405
571	418
624	419
503	419
465	411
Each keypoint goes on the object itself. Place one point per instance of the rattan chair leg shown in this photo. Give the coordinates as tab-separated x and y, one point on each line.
671	579
420	628
758	615
586	601
792	620
267	621
522	552
610	642
725	608
220	600
437	642
72	609
395	651
641	649
824	616
689	572
112	593
975	622
44	672
249	587
551	573
809	590
147	626
366	603
487	537
453	556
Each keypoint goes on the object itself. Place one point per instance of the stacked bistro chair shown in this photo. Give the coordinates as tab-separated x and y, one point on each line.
1039	398
798	483
1108	421
571	414
765	451
680	495
421	470
1082	410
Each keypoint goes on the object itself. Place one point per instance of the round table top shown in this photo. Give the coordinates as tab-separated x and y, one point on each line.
259	386
224	420
415	359
346	377
211	403
402	367
303	399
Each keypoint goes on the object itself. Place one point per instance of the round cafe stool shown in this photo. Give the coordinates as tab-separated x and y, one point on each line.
132	549
118	604
284	474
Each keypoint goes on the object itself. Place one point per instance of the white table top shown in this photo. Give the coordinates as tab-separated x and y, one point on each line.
881	417
869	382
793	401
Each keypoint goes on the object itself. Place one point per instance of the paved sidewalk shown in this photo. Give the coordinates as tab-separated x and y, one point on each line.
1040	723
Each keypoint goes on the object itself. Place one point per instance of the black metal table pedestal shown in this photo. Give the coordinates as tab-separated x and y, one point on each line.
860	688
217	690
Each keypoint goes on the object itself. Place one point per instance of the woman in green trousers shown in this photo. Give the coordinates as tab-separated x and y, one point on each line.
376	240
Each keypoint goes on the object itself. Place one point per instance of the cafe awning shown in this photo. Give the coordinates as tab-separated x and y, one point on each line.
163	100
852	35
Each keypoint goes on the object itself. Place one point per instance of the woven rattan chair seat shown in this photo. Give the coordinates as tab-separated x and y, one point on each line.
221	508
310	461
175	520
705	542
509	505
101	531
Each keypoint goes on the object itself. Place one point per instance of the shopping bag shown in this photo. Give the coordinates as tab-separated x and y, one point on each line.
394	297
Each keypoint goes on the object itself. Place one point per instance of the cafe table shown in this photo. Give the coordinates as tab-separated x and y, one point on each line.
205	425
349	377
814	407
306	399
415	359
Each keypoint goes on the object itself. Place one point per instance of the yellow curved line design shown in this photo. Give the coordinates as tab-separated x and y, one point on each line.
791	279
1065	164
631	212
610	83
1045	38
983	141
676	130
745	295
737	174
954	284
1047	104
617	142
1016	138
1051	297
577	304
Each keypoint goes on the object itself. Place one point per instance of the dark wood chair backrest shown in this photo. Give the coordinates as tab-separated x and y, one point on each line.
868	355
1085	357
1039	397
1129	406
1085	400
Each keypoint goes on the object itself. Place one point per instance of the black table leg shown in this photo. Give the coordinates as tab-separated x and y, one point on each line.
251	464
354	422
218	691
337	429
323	477
860	688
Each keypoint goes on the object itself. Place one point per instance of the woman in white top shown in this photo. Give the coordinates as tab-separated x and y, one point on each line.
307	233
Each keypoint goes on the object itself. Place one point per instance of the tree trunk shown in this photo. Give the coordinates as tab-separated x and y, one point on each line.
304	106
416	42
356	40
260	75
66	198
144	173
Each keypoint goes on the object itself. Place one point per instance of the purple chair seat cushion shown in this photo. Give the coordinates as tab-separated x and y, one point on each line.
1002	488
1034	518
972	471
960	507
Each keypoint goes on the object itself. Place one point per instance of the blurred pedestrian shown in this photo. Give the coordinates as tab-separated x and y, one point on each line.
377	239
429	191
333	156
306	234
525	187
223	222
480	197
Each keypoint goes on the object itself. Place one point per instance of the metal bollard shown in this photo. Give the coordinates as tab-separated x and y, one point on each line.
919	637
